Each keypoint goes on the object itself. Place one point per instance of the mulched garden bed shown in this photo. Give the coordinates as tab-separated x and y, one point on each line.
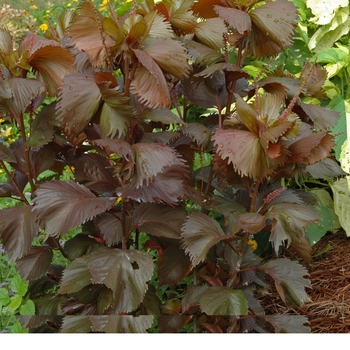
329	309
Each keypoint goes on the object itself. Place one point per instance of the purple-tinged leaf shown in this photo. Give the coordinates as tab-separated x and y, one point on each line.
78	101
125	273
287	323
80	245
198	133
18	228
121	323
159	220
76	276
210	32
325	169
173	266
289	280
164	116
35	263
6	42
120	147
224	301
94	172
63	205
44	159
191	300
6	154
202	54
199	233
110	228
323	118
237	19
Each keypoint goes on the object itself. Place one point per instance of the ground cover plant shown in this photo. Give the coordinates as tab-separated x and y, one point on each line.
154	166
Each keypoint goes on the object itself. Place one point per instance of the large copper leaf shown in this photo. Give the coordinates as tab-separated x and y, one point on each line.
18	227
62	205
277	20
169	54
210	32
149	84
199	233
244	150
79	99
93	41
125	273
236	18
159	220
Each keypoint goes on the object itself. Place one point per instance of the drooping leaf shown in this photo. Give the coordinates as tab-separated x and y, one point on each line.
224	301
62	205
199	133
169	54
125	273
164	116
35	263
159	220
76	276
199	233
94	172
173	266
289	280
121	323
95	42
325	169
288	323
18	228
149	83
323	118
341	195
79	99
110	228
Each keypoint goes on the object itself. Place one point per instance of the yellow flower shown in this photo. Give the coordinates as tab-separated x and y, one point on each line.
8	132
104	2
34	7
253	243
119	199
44	27
69	4
1	120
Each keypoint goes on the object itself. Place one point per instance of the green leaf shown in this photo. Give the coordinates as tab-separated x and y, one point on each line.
18	285
63	205
199	233
341	195
28	308
224	301
76	276
15	302
126	273
16	327
289	280
4	297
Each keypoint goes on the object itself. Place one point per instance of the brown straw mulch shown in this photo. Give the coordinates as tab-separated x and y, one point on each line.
329	309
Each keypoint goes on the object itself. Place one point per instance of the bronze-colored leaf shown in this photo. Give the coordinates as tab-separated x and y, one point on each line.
236	18
159	220
6	43
35	263
288	323
200	232
120	147
202	54
126	273
18	227
210	32
78	101
80	245
173	266
252	222
110	228
198	133
205	8
95	42
172	323
62	205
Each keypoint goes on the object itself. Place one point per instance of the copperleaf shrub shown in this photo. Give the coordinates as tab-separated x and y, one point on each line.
165	208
